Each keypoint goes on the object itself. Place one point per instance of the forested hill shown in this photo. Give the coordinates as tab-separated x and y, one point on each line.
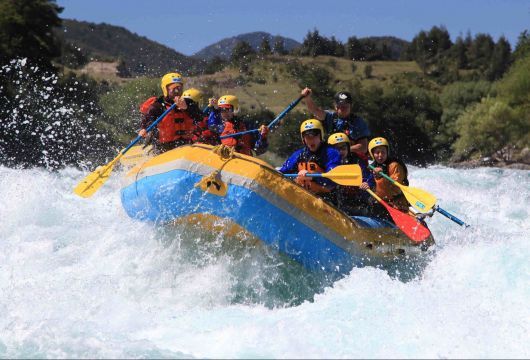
390	47
394	46
224	47
84	41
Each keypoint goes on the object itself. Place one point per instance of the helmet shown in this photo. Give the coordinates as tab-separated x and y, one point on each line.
343	97
375	142
193	94
227	101
310	125
170	78
338	138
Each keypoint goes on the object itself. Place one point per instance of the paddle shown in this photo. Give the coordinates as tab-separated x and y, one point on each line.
136	155
408	224
450	216
93	181
420	199
272	123
349	175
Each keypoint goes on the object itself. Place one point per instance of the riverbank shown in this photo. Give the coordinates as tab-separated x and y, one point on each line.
505	158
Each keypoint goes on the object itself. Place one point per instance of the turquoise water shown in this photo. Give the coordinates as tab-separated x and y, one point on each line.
78	278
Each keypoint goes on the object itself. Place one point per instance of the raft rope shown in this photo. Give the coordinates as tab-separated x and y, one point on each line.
226	153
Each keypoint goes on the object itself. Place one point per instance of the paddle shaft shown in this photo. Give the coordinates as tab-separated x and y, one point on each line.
386	176
450	216
93	181
272	123
307	174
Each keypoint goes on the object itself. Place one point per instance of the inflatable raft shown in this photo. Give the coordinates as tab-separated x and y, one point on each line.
195	184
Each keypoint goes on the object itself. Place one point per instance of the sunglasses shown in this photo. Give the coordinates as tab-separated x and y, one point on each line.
311	133
174	86
225	109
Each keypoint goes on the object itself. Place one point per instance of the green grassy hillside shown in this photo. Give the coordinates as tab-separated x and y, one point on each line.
270	85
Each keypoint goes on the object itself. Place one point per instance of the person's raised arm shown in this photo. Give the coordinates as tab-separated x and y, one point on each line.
311	106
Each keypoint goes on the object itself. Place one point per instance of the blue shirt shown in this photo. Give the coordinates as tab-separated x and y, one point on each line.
354	126
328	157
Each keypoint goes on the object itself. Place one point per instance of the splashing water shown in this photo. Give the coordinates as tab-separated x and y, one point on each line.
47	120
78	278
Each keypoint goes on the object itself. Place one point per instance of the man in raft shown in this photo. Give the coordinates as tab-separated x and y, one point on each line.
178	126
315	157
395	168
342	119
352	200
223	121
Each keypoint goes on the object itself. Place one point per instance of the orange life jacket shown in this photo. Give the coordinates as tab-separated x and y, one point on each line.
243	144
312	165
176	125
397	170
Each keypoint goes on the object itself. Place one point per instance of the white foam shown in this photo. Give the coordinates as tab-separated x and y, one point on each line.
78	278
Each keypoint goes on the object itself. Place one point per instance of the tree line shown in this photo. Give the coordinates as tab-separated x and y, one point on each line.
433	50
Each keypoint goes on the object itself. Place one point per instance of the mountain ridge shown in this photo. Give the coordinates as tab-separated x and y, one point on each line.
139	55
223	48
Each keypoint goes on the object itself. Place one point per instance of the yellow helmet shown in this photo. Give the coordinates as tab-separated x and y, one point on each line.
375	142
170	78
227	101
338	138
311	124
193	94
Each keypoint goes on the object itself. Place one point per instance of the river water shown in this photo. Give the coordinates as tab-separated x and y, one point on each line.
78	278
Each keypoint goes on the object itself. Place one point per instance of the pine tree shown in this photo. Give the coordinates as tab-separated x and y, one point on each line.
500	59
336	47
354	49
481	51
242	55
459	53
265	47
26	31
279	47
523	45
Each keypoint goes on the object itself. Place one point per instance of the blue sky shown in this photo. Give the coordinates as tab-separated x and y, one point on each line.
188	26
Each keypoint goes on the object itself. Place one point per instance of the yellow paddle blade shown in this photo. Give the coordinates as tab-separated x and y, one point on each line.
348	175
136	155
419	199
213	184
93	181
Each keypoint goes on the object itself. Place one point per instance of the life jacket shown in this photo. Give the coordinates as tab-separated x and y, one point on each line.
204	135
243	144
389	192
177	125
350	191
313	163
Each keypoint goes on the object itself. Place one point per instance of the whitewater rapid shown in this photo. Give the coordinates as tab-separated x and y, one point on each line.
78	278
